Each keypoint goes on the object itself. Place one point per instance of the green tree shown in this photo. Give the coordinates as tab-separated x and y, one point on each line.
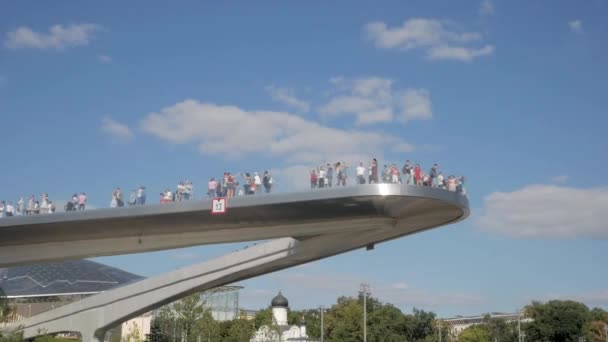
207	328
558	321
166	321
599	314
11	336
475	333
386	323
263	317
419	325
240	330
5	309
156	334
189	311
500	330
344	321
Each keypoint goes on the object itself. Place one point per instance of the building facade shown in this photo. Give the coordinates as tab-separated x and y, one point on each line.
280	330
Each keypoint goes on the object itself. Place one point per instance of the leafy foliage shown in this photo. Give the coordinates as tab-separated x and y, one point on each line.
156	334
557	320
475	333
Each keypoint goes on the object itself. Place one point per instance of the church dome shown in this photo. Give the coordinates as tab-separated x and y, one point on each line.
279	301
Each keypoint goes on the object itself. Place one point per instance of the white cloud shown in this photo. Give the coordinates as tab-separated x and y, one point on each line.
430	35
116	130
416	105
104	59
547	211
576	26
400	286
267	133
58	37
560	179
374	100
486	7
287	97
459	53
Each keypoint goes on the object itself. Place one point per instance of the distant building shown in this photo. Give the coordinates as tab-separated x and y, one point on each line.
33	289
223	302
281	330
459	323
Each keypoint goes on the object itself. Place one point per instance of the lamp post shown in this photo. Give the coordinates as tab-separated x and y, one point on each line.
322	331
364	290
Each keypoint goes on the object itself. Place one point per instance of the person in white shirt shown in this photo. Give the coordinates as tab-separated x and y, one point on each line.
181	190
361	173
114	201
189	190
21	206
257	180
9	209
322	176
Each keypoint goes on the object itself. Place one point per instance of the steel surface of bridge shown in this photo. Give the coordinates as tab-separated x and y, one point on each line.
306	226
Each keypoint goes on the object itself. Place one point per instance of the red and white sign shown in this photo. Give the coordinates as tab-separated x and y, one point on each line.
218	206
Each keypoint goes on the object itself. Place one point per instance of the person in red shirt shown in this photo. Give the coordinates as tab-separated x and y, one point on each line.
418	174
313	179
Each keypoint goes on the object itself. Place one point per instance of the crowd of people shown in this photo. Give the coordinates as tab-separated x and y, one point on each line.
229	185
34	206
412	174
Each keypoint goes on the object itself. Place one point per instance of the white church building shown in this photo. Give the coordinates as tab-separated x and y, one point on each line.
281	331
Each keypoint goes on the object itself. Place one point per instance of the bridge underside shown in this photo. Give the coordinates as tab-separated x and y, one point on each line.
320	225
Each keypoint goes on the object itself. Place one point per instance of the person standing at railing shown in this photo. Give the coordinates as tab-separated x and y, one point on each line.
330	175
189	193
322	176
313	179
452	183
141	195
440	181
374	171
82	201
258	181
433	176
360	173
267	181
21	206
211	187
9	209
114	200
407	171
418	174
133	198
394	174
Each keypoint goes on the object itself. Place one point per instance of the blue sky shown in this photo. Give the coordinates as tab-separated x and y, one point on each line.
509	93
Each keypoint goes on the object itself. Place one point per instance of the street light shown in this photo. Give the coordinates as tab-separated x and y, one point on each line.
322	331
364	290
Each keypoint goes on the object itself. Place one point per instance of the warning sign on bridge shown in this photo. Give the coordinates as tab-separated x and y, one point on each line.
218	206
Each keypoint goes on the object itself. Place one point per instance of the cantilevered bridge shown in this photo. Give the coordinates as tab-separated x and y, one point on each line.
302	227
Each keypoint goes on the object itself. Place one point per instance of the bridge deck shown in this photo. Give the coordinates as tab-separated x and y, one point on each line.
113	231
